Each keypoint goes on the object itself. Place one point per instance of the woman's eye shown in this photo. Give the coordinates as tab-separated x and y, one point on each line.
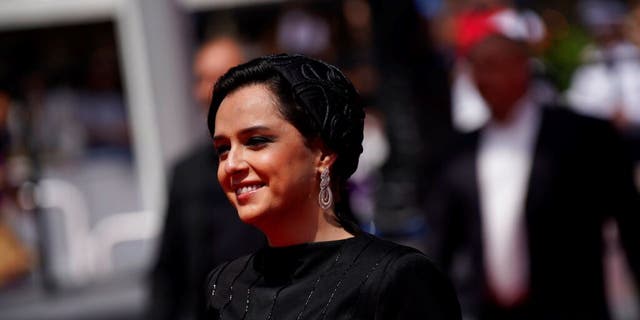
258	141
222	149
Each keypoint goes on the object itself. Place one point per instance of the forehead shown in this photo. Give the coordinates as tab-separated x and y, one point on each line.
217	57
247	106
497	49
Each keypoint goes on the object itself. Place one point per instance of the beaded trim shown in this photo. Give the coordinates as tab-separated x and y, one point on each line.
231	286
215	283
315	284
366	277
248	300
323	313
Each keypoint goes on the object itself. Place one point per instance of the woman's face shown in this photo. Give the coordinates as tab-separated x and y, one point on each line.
266	169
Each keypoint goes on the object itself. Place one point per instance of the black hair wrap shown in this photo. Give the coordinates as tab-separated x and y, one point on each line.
329	99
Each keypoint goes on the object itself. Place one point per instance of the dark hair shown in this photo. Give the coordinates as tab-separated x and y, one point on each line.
316	98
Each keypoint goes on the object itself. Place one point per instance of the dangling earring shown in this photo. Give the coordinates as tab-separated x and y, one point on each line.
325	198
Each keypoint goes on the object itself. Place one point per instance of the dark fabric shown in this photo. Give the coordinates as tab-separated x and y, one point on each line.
580	177
201	230
357	278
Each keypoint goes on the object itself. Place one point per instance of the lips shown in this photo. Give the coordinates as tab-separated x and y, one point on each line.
248	188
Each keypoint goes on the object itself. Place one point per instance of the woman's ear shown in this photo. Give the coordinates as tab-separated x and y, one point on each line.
326	156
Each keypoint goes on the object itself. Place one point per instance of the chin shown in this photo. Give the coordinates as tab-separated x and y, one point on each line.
250	217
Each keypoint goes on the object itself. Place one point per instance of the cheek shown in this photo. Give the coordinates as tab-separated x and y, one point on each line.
287	172
222	178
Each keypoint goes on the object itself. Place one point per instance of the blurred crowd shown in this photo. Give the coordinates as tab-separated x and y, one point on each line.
502	138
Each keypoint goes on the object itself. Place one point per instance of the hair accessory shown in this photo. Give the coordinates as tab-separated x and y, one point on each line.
325	198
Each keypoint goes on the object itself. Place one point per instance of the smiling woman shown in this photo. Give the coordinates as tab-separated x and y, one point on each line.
255	144
288	132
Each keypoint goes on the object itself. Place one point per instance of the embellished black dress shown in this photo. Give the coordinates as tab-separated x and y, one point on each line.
358	278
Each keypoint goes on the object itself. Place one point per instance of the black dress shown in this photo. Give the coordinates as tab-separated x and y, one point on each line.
357	278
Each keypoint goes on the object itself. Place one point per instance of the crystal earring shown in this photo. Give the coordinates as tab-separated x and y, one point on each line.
325	198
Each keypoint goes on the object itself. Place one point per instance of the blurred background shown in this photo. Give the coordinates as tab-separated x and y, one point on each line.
96	105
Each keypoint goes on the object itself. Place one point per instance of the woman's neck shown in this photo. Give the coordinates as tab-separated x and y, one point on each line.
294	231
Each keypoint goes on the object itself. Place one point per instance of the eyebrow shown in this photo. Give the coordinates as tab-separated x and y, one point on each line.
246	131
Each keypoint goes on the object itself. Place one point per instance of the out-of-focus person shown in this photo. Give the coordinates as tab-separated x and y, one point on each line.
413	99
201	228
607	85
16	258
632	24
469	110
518	214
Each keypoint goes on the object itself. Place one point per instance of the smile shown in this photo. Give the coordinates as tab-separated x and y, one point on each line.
247	189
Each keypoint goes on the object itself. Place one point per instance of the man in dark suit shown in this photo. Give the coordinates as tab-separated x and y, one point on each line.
517	215
202	229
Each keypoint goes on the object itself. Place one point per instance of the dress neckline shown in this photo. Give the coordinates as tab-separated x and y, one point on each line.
301	259
311	245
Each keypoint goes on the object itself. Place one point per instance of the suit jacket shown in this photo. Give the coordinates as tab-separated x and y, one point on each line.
202	230
580	176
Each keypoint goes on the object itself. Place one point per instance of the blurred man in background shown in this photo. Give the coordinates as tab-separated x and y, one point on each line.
16	258
607	85
201	229
517	216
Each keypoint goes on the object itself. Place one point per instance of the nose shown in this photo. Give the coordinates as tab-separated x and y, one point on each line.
235	162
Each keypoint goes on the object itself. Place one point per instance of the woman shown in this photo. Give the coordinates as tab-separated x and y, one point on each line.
288	132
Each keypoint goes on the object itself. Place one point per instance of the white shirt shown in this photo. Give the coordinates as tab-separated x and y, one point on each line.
601	90
504	164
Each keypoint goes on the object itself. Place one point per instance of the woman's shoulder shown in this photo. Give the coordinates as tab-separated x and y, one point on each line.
393	261
408	285
395	254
